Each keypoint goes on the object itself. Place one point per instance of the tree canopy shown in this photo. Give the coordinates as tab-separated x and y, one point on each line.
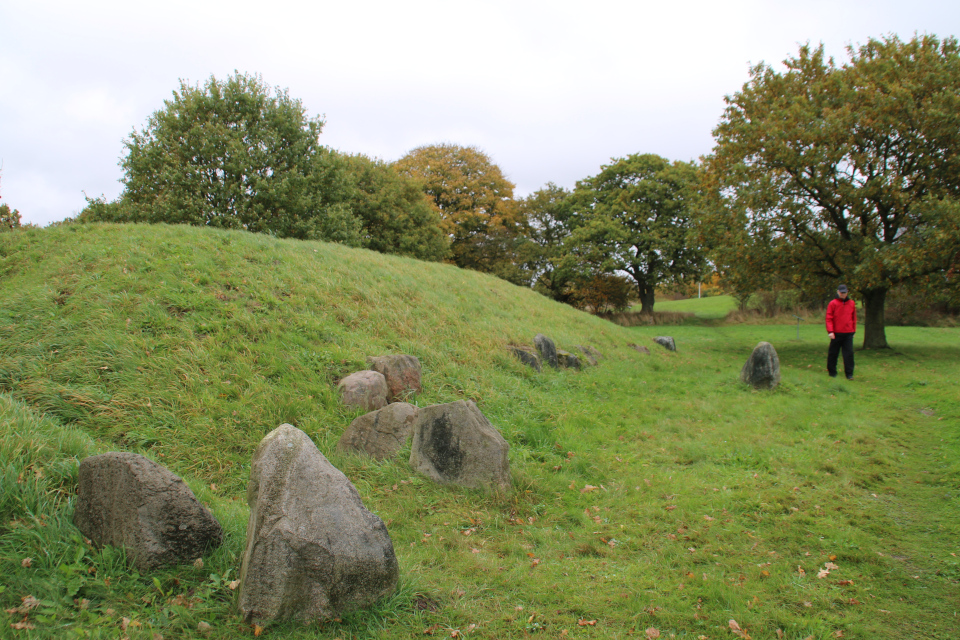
475	202
634	217
829	173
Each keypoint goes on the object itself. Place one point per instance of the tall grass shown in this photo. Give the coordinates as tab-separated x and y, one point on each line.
652	491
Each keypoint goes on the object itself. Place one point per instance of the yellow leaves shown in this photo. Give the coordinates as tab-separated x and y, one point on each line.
801	571
257	630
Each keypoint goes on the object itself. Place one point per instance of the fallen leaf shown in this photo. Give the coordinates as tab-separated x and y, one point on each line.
838	633
831	558
26	562
807	603
780	633
234	584
257	630
708	518
20	626
198	563
429	630
588	488
801	571
124	623
670	507
823	573
831	566
652	633
586	623
204	627
845	583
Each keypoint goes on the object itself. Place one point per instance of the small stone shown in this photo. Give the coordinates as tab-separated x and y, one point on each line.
127	500
666	342
527	356
313	551
567	360
762	368
547	349
365	389
639	347
380	433
402	373
591	355
455	444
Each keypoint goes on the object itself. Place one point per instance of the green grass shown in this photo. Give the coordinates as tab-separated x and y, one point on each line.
708	497
712	307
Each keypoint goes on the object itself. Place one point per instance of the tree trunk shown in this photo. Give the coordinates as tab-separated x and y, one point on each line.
647	297
874	332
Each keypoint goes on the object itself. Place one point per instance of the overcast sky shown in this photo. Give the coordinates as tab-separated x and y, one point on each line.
550	90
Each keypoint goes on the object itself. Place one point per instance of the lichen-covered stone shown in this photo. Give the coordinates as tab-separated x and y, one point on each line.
762	368
567	360
364	389
381	433
527	356
455	444
313	550
547	349
666	342
591	355
402	372
129	501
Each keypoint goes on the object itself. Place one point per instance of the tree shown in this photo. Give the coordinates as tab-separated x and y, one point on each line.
825	174
634	217
547	215
233	154
394	213
476	205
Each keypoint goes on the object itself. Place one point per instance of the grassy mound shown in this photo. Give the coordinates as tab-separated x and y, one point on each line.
652	492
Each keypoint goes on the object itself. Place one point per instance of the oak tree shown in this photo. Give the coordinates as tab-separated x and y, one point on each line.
827	173
634	217
476	205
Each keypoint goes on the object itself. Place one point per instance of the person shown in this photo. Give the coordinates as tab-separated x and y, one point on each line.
841	325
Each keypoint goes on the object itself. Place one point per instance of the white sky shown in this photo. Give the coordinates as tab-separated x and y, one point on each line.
550	90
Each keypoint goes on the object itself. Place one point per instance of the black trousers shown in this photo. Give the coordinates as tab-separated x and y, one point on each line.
843	342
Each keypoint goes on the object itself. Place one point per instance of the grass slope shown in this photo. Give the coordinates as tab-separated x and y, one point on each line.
652	492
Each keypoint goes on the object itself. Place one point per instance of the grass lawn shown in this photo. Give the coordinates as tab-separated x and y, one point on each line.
707	308
653	494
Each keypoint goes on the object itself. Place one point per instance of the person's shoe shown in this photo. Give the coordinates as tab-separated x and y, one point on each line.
832	375
849	377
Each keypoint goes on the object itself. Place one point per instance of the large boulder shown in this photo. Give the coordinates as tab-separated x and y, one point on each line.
129	501
527	356
762	368
455	444
547	349
666	342
313	550
365	389
402	373
380	433
567	360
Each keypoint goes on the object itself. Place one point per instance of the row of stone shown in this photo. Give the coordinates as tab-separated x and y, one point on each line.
545	350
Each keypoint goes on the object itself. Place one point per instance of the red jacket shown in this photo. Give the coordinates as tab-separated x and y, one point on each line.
842	316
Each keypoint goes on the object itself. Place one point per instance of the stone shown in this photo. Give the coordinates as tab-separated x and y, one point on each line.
591	355
762	368
380	433
666	342
455	444
402	372
127	500
547	349
527	356
313	550
365	389
567	360
639	347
